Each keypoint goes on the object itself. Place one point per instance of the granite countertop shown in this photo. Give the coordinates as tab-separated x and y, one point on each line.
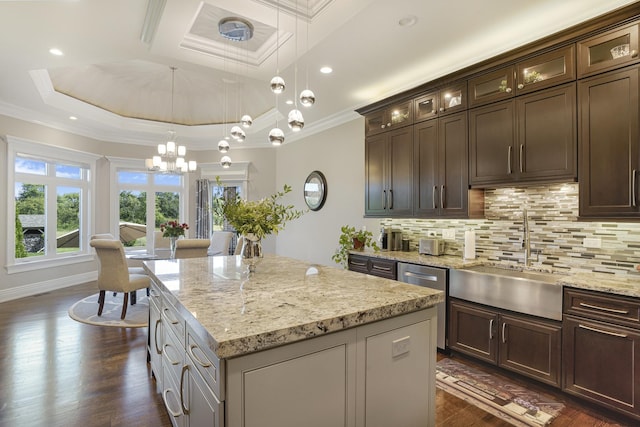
284	301
618	284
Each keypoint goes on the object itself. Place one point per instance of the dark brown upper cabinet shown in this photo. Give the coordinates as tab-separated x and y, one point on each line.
549	69
607	51
609	147
539	72
492	87
529	139
447	100
389	118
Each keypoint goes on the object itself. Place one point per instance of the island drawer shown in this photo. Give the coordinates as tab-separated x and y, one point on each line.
615	309
207	364
372	265
172	355
174	321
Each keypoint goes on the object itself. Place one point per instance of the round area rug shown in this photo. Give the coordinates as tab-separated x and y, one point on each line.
86	311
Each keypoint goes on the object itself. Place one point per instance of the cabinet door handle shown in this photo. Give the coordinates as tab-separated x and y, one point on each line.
509	160
359	264
185	410
174	414
441	109
429	277
634	53
171	320
633	187
521	155
442	197
504	340
608	310
384	199
391	199
155	337
377	267
435	190
600	331
491	329
508	90
520	86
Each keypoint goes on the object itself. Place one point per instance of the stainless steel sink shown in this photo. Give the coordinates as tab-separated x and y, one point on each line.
527	292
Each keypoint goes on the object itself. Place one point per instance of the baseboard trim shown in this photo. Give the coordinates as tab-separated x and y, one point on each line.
46	286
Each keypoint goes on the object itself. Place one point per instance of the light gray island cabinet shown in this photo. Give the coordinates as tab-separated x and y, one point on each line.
292	344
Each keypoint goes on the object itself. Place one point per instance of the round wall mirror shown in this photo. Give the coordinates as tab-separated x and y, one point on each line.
315	190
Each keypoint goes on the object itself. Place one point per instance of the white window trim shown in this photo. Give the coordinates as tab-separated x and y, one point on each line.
17	146
236	175
118	164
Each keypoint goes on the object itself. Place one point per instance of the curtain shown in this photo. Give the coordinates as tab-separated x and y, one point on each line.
203	217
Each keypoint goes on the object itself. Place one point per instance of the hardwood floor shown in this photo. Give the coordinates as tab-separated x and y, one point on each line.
55	371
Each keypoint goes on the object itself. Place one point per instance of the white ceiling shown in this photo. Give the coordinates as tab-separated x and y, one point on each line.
119	87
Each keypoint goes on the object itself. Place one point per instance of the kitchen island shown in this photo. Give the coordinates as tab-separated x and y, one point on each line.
291	344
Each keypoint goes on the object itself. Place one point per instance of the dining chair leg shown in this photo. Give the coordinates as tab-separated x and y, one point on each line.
101	303
124	305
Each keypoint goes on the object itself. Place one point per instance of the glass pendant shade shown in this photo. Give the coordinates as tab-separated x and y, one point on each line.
295	120
225	162
307	98
241	136
236	131
246	121
223	146
277	84
276	136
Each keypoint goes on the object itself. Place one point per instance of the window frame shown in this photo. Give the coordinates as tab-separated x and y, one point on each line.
20	147
129	165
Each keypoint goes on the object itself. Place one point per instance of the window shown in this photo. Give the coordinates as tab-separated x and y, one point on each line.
49	204
147	200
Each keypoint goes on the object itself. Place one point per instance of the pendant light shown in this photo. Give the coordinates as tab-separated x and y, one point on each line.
307	97
294	118
276	135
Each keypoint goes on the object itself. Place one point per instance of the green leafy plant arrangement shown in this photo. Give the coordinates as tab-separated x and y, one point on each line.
351	239
259	217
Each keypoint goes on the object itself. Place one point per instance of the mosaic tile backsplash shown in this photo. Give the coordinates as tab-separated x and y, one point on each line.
556	235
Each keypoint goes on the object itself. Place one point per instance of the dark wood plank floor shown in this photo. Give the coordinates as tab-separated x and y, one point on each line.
55	371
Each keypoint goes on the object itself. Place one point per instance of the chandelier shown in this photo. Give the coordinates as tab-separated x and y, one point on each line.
171	157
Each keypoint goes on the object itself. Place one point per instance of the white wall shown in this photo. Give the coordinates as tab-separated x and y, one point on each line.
339	154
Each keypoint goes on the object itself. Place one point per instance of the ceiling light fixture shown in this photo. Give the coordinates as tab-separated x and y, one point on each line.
276	135
295	118
170	158
55	51
307	97
326	70
235	29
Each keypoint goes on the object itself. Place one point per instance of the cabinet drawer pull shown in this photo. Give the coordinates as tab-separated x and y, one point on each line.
491	329
376	267
166	353
504	339
509	161
600	331
171	412
608	310
359	264
171	320
196	358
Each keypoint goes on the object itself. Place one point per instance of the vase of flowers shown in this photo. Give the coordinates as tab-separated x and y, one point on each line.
255	219
173	230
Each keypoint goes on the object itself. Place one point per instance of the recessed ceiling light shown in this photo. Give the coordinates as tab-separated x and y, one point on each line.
73	118
408	21
289	102
326	70
55	51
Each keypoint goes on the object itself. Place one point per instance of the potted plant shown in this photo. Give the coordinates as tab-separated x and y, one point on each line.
173	230
255	219
352	239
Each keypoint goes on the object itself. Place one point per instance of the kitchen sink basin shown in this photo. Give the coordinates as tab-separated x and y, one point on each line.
527	292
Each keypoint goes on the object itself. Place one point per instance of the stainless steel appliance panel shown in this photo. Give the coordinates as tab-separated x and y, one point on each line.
433	278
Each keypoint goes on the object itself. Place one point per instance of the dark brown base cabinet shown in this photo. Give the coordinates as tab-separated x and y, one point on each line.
523	344
601	358
372	265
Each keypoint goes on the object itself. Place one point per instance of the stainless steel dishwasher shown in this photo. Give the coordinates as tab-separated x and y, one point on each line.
429	277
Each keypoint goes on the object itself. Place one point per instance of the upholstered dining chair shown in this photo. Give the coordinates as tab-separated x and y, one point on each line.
113	272
108	236
220	242
191	248
160	242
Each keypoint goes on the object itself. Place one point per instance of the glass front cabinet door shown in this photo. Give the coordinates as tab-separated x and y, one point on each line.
492	87
548	69
613	49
